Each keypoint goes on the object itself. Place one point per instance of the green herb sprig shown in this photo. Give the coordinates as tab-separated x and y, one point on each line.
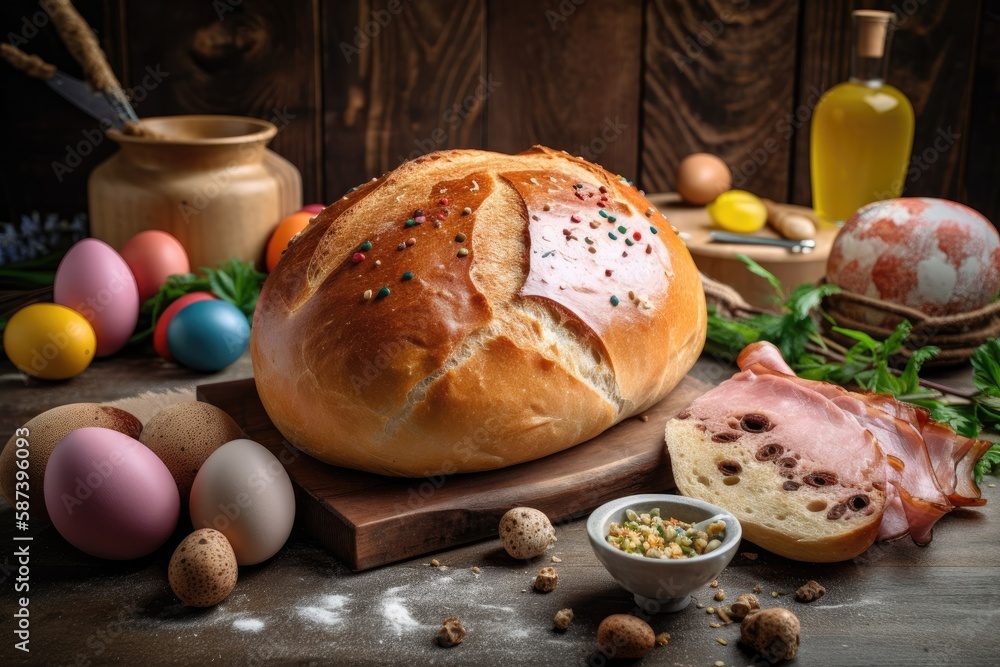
237	282
791	331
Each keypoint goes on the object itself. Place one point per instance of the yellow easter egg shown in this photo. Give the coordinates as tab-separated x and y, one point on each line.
49	341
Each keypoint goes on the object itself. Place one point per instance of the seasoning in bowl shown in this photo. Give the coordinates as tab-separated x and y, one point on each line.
649	535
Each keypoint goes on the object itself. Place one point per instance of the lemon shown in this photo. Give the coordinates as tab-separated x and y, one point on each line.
738	211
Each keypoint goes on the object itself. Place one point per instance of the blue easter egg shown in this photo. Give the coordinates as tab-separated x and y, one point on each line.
208	335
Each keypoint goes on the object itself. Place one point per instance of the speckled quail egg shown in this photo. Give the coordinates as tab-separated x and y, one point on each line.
203	569
526	532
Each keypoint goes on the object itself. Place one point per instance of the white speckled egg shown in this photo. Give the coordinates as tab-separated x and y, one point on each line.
933	255
243	491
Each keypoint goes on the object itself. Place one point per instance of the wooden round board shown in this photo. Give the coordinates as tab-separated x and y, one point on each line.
718	260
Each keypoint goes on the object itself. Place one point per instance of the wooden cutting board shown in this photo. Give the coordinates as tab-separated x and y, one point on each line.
369	520
718	260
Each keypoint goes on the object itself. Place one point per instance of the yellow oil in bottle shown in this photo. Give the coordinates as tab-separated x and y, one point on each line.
862	129
860	147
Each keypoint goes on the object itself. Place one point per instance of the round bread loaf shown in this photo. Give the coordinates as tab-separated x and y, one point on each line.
472	310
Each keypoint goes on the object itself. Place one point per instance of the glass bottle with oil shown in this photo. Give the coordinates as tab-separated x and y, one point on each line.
862	129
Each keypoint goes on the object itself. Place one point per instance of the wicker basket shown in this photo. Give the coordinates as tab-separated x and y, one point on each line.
958	336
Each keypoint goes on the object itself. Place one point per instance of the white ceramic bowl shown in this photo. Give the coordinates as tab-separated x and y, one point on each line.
660	584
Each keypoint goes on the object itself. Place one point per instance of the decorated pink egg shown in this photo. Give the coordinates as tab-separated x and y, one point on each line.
932	255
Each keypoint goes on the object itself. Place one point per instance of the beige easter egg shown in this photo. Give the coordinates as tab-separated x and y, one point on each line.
185	435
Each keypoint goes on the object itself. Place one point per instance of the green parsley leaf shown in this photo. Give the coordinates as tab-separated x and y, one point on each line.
235	281
989	464
986	367
759	270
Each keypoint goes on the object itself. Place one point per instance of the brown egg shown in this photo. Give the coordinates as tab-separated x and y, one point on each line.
44	432
625	636
203	569
701	177
184	435
526	532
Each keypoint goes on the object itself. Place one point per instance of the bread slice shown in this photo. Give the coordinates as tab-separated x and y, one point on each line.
805	480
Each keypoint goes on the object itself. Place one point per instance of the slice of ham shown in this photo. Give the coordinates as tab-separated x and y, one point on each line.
929	466
835	441
967	493
894	524
923	502
947	450
766	355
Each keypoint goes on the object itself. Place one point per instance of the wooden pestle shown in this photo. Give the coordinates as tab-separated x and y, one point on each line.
790	223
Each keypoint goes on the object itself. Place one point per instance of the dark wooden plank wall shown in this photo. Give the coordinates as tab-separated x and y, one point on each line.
356	87
49	147
402	78
983	173
569	75
249	57
720	76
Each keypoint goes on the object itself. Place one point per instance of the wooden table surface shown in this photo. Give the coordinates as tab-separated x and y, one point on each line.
898	604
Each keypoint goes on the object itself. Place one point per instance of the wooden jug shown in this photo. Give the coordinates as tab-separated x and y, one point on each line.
210	181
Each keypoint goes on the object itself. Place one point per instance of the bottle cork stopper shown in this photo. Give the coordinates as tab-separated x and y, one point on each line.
872	27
